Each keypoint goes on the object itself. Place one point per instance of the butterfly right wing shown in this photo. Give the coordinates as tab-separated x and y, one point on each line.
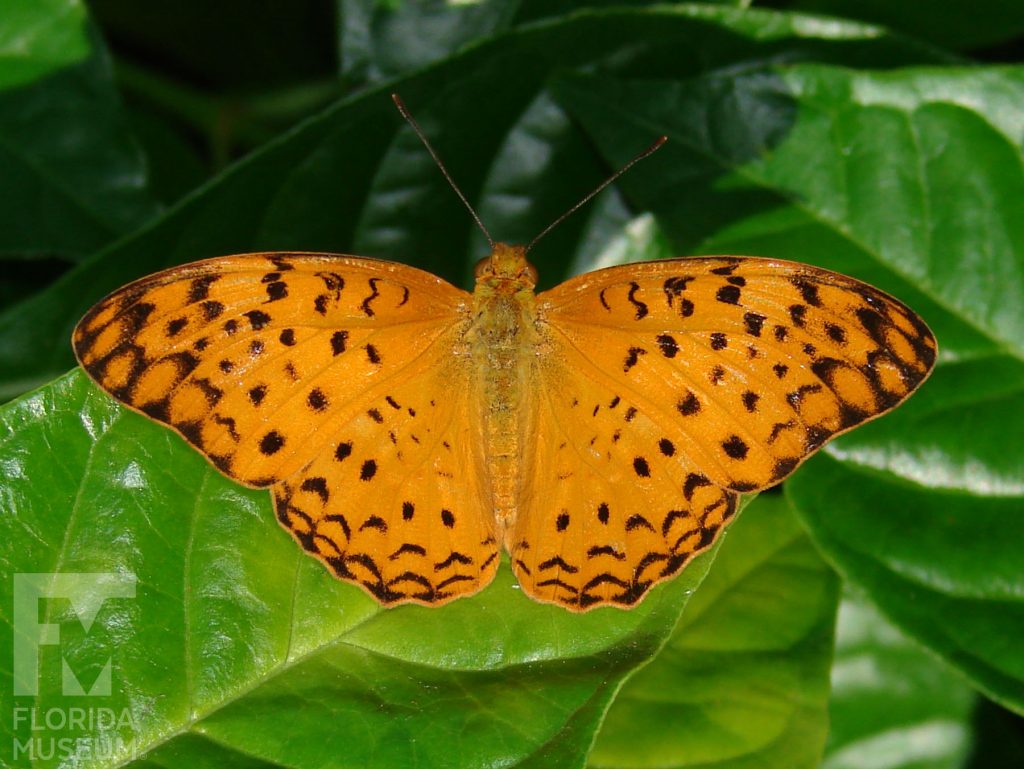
667	387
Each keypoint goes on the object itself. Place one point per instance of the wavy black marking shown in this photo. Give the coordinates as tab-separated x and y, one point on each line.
407	547
796	397
339	519
637	521
365	306
641	308
557	562
596	551
374	522
317	486
229	423
778	427
453	579
672	517
558	583
454	557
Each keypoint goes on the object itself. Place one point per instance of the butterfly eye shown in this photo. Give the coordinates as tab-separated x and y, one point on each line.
483	267
532	272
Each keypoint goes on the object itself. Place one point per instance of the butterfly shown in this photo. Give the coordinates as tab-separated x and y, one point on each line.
409	431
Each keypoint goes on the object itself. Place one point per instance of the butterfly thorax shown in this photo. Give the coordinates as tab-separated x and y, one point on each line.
503	341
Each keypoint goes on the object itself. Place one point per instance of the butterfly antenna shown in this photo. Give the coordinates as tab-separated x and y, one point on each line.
647	152
419	132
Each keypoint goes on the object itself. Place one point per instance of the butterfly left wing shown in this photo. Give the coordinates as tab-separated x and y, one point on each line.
676	384
333	380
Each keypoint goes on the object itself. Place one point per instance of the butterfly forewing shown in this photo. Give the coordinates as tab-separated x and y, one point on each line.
249	357
747	365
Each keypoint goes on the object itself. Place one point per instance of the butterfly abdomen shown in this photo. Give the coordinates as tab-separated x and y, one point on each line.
502	341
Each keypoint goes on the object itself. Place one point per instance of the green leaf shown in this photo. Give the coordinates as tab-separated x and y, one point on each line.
909	179
237	647
231	44
355	180
38	37
743	681
893	707
381	39
71	178
959	24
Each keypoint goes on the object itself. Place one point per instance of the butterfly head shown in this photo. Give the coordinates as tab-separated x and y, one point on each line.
506	270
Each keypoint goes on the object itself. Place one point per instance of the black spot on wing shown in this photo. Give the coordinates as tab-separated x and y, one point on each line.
728	294
338	340
316	399
632	357
257	319
276	291
688	405
753	323
199	288
735	448
271	443
669	346
808	290
176	326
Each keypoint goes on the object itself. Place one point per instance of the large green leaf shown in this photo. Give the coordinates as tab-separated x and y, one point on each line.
237	647
356	180
743	681
71	178
910	179
893	706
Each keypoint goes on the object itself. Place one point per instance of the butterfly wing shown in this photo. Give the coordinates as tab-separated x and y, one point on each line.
318	376
672	385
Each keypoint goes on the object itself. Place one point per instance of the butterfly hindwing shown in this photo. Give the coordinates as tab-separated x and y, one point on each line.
623	508
398	503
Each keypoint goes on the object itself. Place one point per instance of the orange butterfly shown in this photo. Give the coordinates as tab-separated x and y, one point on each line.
600	432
